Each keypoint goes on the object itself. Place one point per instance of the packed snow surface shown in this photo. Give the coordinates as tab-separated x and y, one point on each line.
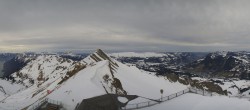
191	101
10	88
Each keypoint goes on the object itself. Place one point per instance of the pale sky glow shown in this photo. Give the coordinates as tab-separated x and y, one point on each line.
124	25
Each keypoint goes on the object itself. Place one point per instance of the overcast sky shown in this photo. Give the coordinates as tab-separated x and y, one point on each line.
124	25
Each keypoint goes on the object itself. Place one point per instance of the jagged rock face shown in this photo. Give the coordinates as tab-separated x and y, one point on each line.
226	64
109	81
99	55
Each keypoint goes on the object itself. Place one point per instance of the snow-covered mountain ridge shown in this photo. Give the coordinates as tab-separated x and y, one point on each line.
42	69
70	81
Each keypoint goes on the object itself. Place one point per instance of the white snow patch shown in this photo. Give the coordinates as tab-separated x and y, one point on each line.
122	99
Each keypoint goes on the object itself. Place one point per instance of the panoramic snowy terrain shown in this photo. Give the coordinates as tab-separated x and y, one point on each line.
51	73
69	82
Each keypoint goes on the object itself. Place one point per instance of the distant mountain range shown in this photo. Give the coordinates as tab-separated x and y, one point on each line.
222	64
161	63
215	64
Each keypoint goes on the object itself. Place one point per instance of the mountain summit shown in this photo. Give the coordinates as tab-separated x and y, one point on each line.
98	56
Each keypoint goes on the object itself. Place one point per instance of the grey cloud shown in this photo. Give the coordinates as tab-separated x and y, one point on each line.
124	25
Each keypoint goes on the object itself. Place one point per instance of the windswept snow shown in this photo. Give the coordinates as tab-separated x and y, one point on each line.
138	83
10	88
79	87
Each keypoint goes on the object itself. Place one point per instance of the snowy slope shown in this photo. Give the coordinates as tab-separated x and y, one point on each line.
89	82
234	87
9	87
43	73
43	69
198	102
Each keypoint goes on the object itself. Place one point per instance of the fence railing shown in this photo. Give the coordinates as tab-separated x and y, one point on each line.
139	105
200	91
55	102
38	104
166	98
151	103
240	97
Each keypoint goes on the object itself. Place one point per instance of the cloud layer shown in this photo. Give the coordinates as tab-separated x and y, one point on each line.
124	25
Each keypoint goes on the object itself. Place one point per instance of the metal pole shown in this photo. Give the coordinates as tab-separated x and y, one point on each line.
203	92
161	97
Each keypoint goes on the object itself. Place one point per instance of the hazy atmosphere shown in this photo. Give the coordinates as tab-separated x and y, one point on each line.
124	25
